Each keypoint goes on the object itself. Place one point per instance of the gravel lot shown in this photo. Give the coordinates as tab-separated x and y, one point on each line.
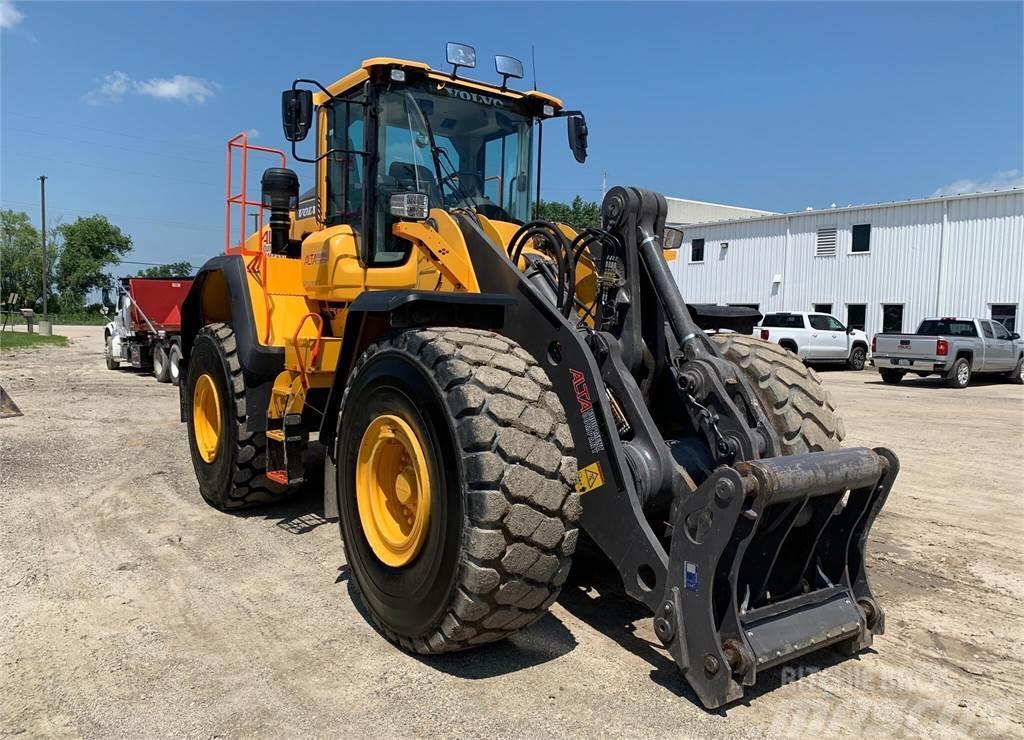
130	608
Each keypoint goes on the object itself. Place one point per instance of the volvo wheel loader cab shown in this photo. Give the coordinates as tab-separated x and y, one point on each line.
487	385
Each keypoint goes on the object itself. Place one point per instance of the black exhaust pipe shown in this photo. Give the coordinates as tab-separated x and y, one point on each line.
280	188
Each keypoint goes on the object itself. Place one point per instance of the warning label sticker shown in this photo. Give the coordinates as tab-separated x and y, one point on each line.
589	478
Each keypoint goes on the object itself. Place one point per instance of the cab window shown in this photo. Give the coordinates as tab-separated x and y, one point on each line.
345	169
826	323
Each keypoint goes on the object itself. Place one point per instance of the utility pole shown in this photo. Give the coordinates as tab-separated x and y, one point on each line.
604	184
44	325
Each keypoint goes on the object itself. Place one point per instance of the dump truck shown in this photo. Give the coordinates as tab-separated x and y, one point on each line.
145	330
491	387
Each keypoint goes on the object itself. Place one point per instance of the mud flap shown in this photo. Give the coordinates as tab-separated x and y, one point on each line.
767	564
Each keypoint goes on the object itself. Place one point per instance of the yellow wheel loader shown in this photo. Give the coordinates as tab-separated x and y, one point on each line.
490	387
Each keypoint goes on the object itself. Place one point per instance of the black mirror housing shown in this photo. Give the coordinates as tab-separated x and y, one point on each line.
577	126
672	238
296	113
508	67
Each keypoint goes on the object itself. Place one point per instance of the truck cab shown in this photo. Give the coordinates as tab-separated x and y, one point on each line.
815	337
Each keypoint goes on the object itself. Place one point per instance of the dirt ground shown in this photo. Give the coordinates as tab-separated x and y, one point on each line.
130	608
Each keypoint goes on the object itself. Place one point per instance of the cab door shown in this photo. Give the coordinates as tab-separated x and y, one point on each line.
829	337
1002	355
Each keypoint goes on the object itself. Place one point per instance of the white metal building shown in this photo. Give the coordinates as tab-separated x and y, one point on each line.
880	267
686	211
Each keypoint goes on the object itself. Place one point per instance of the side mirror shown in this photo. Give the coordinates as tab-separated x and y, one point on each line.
414	206
460	55
508	67
577	126
672	238
296	113
1014	335
104	310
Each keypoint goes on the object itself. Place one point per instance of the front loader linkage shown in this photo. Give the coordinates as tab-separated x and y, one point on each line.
767	564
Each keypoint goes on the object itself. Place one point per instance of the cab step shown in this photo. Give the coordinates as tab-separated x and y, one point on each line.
285	444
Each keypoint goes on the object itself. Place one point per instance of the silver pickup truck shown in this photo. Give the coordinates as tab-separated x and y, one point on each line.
951	347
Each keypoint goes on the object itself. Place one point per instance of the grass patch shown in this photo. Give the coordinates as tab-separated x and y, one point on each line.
70	319
10	340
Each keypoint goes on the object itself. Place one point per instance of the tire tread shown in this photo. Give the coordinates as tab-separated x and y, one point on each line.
521	509
802	409
250	486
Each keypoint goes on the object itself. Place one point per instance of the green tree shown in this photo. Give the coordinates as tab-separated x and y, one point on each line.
580	214
170	270
90	245
21	258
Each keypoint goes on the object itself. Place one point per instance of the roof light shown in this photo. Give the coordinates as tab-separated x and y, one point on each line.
549	110
398	75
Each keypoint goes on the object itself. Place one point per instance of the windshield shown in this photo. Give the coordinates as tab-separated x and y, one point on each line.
463	149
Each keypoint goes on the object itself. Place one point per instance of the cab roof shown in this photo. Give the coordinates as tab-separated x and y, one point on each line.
362	74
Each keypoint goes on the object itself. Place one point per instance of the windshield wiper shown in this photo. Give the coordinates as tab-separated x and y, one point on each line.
436	152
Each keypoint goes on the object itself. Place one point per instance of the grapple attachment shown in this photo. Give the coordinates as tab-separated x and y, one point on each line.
767	564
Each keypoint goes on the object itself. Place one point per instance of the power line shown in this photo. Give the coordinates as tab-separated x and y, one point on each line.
119	134
122	216
206	162
127	172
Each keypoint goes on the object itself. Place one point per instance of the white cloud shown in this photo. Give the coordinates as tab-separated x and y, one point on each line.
999	181
252	133
180	88
9	15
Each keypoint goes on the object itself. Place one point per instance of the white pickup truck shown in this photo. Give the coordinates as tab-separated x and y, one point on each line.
951	347
815	337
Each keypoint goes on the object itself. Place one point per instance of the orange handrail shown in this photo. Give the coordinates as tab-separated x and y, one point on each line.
257	266
316	346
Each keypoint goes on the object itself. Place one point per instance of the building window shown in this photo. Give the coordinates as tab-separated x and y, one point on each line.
826	246
861	243
822	308
1005	314
697	250
892	318
855	313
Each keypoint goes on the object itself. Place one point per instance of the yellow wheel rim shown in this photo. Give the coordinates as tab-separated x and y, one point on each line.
206	421
393	490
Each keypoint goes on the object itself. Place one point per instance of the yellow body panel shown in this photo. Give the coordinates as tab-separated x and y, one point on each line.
359	76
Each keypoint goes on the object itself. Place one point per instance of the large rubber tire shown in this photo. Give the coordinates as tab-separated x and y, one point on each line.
235	478
112	364
891	377
960	374
503	522
161	365
799	406
174	363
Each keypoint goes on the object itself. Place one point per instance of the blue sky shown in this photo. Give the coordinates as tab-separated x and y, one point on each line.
126	106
